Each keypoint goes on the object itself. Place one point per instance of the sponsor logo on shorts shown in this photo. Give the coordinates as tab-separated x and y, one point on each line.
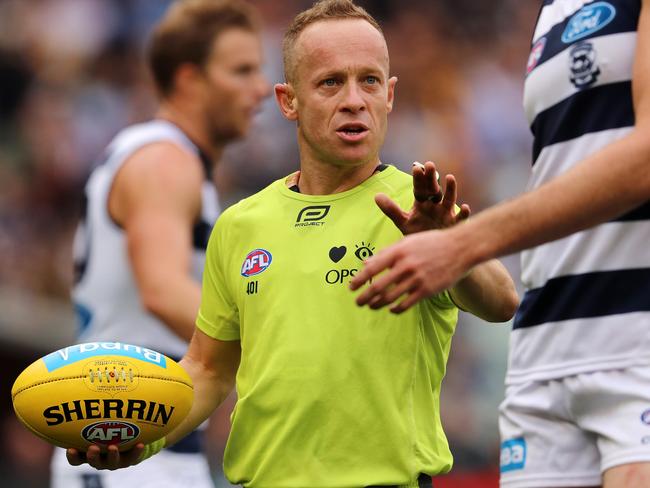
513	454
256	262
645	417
587	20
72	354
110	433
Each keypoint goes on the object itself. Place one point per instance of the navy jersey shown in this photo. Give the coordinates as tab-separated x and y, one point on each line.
587	304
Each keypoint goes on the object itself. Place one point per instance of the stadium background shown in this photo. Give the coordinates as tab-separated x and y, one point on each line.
71	75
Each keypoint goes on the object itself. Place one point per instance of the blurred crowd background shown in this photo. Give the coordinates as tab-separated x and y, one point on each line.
72	74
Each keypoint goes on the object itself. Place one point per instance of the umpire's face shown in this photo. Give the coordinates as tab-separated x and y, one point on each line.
341	92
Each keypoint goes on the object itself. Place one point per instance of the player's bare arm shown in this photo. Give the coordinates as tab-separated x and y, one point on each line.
212	364
603	186
156	199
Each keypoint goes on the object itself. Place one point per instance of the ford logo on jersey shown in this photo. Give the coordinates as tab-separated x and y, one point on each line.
588	20
256	261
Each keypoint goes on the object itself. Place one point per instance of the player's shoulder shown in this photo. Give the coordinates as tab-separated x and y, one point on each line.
159	167
156	138
146	132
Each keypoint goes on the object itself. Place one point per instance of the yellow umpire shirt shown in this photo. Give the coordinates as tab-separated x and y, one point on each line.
329	394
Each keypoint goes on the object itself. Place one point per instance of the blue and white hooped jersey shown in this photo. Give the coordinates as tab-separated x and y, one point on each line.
105	294
587	304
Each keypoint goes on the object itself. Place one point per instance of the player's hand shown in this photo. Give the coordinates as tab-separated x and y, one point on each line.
111	460
431	208
417	267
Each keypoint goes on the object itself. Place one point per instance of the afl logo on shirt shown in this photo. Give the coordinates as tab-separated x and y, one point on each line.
256	261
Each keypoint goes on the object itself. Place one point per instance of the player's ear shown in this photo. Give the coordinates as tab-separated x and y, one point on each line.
186	78
286	98
392	81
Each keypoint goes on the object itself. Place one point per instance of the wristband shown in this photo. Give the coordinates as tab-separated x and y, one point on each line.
151	449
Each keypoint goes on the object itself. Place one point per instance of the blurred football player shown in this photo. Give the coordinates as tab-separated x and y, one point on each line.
151	204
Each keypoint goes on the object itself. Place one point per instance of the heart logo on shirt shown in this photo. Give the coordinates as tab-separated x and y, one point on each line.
337	253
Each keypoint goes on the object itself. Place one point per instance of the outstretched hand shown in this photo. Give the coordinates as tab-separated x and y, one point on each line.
110	460
431	208
417	267
423	263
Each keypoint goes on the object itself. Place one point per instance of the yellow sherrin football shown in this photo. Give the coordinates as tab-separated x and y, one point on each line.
102	393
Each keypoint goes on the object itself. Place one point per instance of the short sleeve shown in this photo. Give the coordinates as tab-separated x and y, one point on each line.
443	300
218	315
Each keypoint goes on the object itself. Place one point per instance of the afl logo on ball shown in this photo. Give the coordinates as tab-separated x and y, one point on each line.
256	261
110	433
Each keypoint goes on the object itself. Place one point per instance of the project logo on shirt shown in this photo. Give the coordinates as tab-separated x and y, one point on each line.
256	262
312	216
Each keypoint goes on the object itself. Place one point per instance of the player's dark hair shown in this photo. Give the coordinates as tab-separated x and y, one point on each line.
321	10
187	32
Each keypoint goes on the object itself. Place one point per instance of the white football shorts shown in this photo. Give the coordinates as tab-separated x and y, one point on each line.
568	431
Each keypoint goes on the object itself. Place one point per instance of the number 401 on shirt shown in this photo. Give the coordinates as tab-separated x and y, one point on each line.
251	288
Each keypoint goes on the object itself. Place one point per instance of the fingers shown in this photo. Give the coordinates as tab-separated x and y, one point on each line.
75	458
426	185
411	299
375	290
132	456
391	210
372	268
425	182
94	457
451	194
392	293
387	288
463	213
111	459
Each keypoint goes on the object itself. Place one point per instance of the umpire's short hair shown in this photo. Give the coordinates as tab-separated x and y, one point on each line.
187	32
321	10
